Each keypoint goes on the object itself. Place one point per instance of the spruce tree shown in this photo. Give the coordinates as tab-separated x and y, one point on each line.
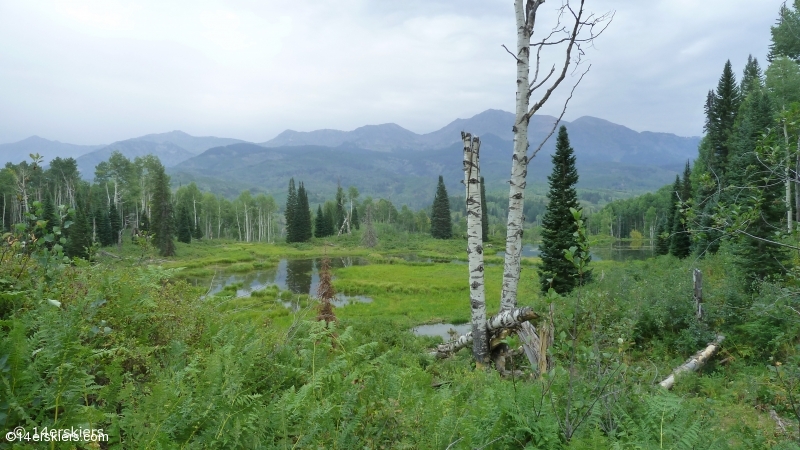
340	214
116	225
320	229
722	117
163	220
662	240
558	224
103	224
289	213
441	223
79	237
753	78
757	190
184	225
484	214
49	214
302	215
681	243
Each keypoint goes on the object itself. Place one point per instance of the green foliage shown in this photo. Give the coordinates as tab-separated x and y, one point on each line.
162	220
681	244
184	225
289	213
302	216
785	41
559	229
441	225
79	237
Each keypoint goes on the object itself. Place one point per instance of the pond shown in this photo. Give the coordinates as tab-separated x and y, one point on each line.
447	331
298	276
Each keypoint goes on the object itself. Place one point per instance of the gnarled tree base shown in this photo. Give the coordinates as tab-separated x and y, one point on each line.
506	319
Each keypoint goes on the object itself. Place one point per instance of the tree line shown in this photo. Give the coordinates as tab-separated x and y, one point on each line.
743	186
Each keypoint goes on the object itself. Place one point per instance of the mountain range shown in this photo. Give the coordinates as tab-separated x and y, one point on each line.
388	160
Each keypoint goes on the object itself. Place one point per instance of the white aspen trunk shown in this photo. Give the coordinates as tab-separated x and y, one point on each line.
519	162
238	225
219	218
506	319
477	287
695	362
787	182
246	225
697	281
194	204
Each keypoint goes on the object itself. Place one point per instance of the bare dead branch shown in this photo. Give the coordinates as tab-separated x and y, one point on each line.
509	52
558	120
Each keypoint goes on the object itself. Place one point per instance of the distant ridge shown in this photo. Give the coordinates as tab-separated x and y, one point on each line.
17	152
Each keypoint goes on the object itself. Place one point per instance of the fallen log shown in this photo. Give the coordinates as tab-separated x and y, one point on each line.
506	319
695	362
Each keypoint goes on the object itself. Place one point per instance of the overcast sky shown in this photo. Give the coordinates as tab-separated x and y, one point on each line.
92	72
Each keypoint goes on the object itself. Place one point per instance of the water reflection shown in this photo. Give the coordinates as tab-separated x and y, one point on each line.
447	331
298	276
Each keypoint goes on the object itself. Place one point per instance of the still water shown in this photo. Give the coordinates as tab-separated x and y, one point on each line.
298	276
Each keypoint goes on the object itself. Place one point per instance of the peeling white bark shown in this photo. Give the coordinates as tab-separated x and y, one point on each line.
506	319
695	362
477	288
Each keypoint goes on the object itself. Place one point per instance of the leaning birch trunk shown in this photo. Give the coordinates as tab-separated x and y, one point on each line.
477	295
506	319
695	362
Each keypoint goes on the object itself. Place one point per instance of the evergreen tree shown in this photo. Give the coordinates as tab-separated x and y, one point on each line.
103	225
441	223
757	190
558	224
289	213
340	213
163	220
681	244
484	215
302	215
197	233
49	214
79	238
753	78
356	221
184	225
114	221
662	240
320	228
722	117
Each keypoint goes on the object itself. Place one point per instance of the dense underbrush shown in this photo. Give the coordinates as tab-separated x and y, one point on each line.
148	358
